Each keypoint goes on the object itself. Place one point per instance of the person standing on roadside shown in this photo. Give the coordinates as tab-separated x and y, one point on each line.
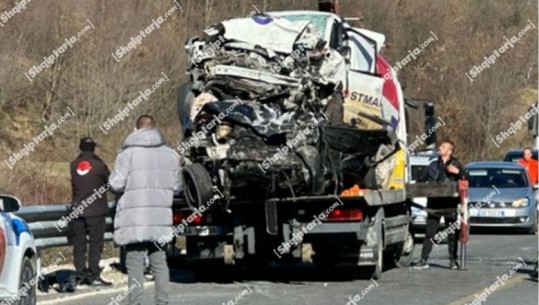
530	164
445	168
89	176
148	174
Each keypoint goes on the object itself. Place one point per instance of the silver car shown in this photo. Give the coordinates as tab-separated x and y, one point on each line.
501	196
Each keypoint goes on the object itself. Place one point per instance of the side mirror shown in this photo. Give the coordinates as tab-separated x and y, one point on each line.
346	53
9	203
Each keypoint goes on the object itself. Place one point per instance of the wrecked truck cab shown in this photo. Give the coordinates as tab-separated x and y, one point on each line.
274	110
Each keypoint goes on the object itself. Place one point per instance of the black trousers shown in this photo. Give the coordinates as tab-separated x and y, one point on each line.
94	227
433	223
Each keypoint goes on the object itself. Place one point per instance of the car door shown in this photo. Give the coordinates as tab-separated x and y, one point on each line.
4	226
363	88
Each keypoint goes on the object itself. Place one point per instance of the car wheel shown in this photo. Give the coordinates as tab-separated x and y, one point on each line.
197	185
27	274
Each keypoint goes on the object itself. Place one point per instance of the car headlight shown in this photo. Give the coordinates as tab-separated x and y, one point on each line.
520	203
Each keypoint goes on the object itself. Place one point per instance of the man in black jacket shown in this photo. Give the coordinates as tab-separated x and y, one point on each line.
445	168
89	176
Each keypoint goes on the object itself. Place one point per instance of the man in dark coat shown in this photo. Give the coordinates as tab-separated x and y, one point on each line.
89	176
445	168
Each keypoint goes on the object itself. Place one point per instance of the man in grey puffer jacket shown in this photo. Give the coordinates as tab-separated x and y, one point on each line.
148	173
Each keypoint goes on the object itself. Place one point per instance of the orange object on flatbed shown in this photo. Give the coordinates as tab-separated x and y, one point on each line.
354	191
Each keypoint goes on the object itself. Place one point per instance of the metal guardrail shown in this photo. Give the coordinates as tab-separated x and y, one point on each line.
42	219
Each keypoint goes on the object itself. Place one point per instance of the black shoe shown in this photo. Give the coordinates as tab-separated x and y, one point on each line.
454	265
99	282
422	264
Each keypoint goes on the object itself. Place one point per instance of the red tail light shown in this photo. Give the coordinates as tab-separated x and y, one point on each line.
198	220
177	218
345	215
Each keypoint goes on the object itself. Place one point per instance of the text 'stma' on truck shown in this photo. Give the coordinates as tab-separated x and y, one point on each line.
293	135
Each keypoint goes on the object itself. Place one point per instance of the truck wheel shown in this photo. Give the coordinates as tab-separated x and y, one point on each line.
401	255
197	185
373	272
27	274
378	268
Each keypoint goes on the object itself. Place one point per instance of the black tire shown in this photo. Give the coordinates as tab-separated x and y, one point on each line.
197	185
400	255
27	273
373	272
378	268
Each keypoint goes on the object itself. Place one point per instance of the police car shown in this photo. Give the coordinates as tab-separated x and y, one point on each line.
18	256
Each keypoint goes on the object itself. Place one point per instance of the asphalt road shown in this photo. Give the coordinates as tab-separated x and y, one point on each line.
489	256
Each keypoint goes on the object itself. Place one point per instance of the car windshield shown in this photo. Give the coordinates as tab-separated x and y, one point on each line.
498	177
320	21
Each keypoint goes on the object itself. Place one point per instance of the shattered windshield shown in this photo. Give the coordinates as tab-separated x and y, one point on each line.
319	21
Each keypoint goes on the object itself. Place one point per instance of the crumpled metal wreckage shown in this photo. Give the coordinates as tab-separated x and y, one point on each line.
282	132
